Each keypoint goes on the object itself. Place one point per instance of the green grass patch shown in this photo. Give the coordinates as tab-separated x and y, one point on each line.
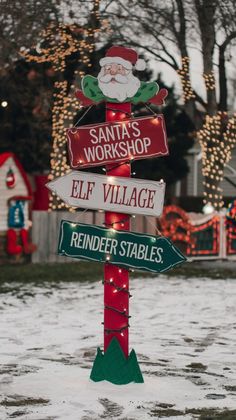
92	271
81	271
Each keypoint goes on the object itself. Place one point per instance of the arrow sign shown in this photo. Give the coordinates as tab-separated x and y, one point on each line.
122	248
124	195
118	141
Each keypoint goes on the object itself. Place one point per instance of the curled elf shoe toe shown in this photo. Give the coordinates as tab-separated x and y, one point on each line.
159	98
84	101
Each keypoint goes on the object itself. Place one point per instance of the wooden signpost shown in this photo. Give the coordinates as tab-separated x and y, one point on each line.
122	195
115	143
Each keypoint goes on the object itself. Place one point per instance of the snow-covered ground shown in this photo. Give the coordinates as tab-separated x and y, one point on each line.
183	331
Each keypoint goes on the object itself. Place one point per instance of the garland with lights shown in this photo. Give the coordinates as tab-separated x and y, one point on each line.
217	139
174	224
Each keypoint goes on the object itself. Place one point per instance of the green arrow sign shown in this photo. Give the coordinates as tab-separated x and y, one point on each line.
125	249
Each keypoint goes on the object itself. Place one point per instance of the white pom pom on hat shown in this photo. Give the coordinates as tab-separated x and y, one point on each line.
140	64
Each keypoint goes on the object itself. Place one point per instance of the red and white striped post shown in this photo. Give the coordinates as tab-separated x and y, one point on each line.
116	279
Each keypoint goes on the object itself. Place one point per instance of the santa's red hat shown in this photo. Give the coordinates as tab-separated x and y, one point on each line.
125	56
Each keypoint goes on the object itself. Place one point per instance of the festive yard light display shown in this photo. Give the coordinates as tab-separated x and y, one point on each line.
217	136
58	42
175	224
217	139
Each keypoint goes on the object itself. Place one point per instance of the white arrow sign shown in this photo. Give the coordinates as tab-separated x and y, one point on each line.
122	195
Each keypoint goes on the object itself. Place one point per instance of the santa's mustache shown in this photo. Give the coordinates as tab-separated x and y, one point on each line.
118	77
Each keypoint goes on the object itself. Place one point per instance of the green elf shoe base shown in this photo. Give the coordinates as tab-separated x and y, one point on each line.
114	367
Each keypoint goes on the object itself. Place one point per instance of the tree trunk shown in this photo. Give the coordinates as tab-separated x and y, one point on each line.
222	81
206	18
222	72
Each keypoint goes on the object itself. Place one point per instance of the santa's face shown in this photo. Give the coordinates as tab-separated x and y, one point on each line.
117	82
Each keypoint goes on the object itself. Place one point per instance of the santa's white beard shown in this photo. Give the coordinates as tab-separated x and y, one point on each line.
124	86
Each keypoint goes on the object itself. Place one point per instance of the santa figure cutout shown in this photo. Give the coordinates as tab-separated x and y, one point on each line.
117	83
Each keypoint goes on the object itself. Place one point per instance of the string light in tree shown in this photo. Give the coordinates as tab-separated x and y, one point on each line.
217	139
209	79
58	41
184	74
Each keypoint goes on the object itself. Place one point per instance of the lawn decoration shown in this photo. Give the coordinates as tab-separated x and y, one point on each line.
231	213
115	143
15	200
231	228
175	225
